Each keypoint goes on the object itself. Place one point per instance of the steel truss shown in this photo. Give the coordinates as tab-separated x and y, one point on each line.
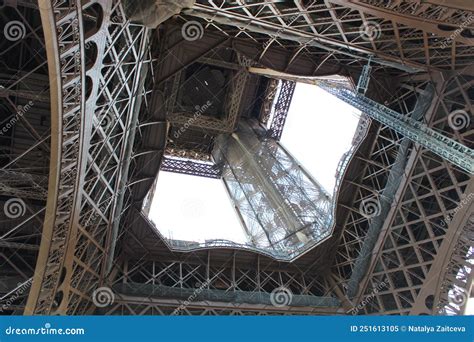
23	185
191	167
455	285
24	153
337	31
231	288
139	284
87	151
199	153
447	148
375	170
410	248
210	124
269	98
422	254
280	110
282	208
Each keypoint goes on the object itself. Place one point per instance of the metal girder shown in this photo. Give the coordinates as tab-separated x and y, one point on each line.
411	250
191	167
24	156
215	295
282	208
387	196
364	79
268	100
198	154
223	17
449	280
87	151
57	225
128	305
232	110
23	185
447	148
214	284
345	31
280	110
407	12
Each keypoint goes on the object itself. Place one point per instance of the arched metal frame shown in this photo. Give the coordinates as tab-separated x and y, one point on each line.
91	115
90	125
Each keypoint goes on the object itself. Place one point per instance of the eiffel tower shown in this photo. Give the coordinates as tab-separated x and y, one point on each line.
98	96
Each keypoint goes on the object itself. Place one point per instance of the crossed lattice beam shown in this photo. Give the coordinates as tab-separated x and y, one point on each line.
24	151
340	31
417	224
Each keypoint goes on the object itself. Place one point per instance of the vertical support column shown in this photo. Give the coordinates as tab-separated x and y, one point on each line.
283	208
282	106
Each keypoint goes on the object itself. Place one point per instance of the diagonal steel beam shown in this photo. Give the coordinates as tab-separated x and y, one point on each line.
446	148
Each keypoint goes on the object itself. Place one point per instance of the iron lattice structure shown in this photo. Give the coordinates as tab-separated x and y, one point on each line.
414	227
91	105
191	167
281	107
282	208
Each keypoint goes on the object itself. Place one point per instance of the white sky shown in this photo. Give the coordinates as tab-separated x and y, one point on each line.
194	209
318	130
